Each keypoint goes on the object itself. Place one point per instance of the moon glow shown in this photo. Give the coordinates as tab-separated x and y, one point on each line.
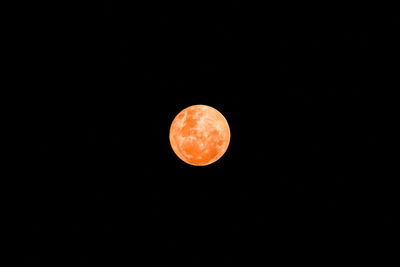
199	135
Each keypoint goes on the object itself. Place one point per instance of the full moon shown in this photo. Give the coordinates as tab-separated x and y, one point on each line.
199	135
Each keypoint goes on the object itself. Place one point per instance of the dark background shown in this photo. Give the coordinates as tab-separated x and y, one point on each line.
301	182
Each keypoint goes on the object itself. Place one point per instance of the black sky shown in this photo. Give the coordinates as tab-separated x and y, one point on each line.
300	183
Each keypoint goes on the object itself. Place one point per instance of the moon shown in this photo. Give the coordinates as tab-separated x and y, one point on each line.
199	135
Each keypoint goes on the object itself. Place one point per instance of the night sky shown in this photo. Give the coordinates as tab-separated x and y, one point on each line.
300	184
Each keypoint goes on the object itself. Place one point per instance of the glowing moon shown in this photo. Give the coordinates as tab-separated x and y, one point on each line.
199	135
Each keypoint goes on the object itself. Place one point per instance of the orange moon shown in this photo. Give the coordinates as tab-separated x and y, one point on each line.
199	135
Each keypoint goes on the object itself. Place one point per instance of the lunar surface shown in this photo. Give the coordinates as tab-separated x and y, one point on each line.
199	135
